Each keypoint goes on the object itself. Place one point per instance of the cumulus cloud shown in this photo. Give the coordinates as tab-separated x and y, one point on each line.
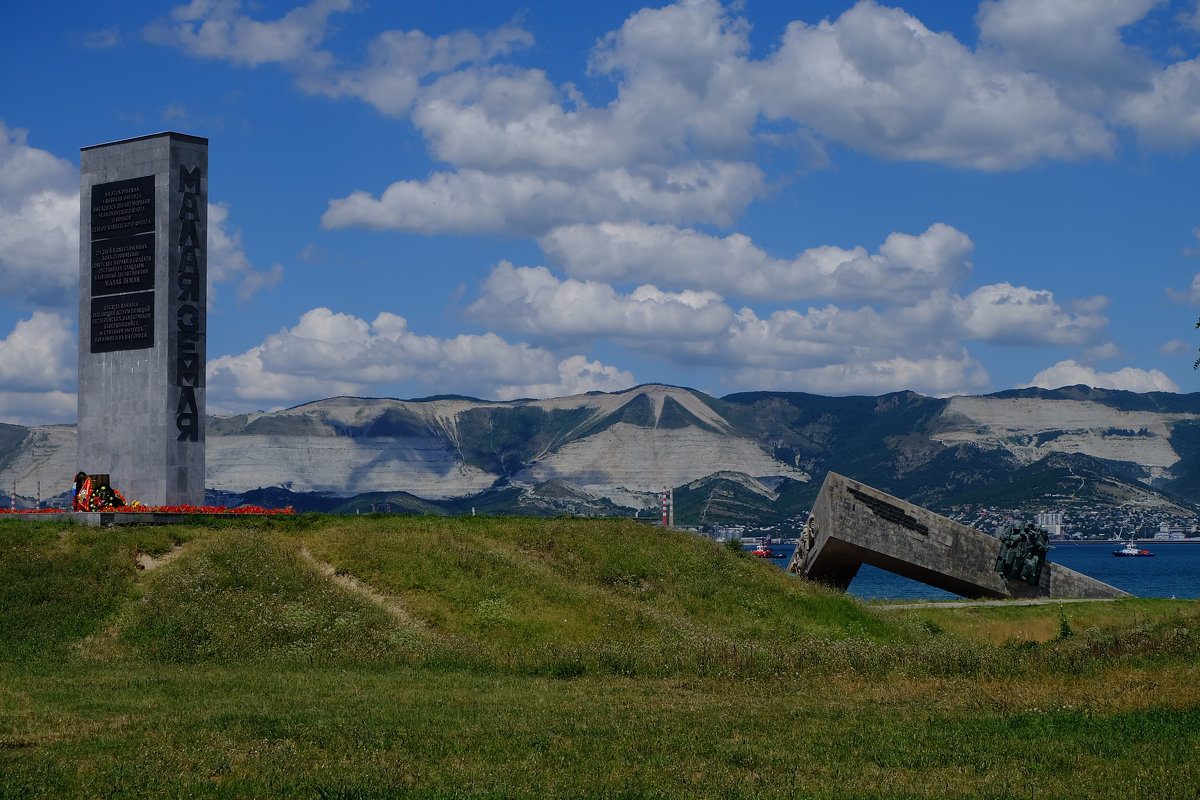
37	371
398	61
1176	347
1168	115
1070	373
616	191
217	29
531	300
471	201
920	342
905	268
39	222
1017	315
227	260
1042	85
576	375
102	39
1075	38
940	377
39	354
328	353
880	81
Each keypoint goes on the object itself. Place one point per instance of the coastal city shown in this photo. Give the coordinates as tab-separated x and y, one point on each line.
1124	523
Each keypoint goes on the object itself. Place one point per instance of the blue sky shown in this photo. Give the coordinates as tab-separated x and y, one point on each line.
540	199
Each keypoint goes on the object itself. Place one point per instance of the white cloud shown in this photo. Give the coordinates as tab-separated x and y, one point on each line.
399	60
531	300
39	223
329	353
1041	86
921	342
53	407
1075	38
227	260
1070	373
215	29
471	201
1190	19
1176	347
905	268
939	377
39	354
37	371
102	39
881	82
1168	115
259	279
1017	315
576	375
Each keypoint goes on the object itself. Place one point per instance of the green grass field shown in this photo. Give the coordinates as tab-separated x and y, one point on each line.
478	657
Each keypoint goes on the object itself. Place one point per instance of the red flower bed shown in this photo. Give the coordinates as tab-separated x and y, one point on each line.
140	509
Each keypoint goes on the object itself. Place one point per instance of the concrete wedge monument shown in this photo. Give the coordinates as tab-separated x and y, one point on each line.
852	524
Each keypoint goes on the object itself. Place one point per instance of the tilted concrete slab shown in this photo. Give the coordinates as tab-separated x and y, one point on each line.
852	524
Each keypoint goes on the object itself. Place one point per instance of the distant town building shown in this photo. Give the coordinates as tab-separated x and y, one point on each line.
1174	531
1051	522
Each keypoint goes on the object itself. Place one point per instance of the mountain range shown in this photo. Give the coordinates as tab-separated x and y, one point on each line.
756	457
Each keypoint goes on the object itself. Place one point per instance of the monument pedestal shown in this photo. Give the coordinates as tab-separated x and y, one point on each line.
143	220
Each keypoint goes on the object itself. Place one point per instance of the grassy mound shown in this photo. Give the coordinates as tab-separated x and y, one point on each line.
485	658
246	596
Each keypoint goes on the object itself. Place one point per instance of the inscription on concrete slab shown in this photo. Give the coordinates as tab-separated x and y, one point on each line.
123	207
123	264
890	512
123	322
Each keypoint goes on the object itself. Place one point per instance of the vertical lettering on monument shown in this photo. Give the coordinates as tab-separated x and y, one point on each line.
189	371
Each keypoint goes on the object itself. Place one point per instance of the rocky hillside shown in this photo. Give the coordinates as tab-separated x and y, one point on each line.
759	455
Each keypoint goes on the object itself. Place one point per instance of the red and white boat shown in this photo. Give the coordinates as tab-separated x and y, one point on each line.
1131	550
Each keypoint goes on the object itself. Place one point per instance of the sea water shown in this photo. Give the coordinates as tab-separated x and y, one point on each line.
1174	571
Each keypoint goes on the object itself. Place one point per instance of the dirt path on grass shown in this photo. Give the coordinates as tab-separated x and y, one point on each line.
147	561
349	582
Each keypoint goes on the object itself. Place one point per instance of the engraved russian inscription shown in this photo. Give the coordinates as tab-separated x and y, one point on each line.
123	322
123	264
887	511
189	332
121	208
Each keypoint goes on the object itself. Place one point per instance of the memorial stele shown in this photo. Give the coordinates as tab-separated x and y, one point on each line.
143	223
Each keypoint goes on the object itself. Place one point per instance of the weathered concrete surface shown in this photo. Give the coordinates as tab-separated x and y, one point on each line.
852	524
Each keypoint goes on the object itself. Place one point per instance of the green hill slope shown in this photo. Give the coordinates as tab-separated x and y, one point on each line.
459	657
556	596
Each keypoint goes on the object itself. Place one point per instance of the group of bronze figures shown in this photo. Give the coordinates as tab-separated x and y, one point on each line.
1023	548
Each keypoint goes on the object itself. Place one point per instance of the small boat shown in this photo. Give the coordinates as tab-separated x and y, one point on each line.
1131	550
762	551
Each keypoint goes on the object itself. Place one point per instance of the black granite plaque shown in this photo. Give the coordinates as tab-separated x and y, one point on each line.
123	322
122	208
123	264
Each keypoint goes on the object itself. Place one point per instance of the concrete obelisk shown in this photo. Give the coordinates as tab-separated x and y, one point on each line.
143	223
